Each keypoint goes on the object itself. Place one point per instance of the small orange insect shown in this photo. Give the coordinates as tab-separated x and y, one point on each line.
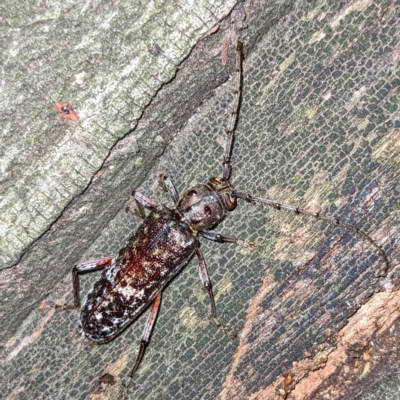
66	111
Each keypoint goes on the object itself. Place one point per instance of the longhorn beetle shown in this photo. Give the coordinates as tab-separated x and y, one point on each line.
163	244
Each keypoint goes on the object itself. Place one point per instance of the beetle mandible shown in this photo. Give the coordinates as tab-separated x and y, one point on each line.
162	246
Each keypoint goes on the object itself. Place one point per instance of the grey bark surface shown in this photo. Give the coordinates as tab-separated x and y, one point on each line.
318	128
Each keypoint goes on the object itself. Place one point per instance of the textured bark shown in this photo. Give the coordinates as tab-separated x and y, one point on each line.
318	128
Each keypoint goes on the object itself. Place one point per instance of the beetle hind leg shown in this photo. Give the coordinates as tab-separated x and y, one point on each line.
86	266
144	341
148	328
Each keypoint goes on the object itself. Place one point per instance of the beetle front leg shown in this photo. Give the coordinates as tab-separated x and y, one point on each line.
167	185
140	202
86	266
138	211
144	201
217	237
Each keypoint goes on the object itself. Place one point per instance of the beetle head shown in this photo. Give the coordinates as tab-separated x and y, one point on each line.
204	206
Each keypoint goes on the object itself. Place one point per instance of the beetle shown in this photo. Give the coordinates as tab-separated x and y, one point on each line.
164	243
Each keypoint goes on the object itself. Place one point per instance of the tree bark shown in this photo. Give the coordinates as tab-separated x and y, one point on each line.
309	314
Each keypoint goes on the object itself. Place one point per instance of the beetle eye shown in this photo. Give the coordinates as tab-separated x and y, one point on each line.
192	193
207	211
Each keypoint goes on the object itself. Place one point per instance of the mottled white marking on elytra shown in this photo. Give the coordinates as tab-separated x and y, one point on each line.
126	291
106	329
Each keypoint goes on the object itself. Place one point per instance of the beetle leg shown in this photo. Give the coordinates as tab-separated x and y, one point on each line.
207	284
206	280
143	200
137	211
86	266
217	237
147	332
167	185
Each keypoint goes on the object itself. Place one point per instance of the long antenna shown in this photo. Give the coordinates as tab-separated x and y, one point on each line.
226	164
317	215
